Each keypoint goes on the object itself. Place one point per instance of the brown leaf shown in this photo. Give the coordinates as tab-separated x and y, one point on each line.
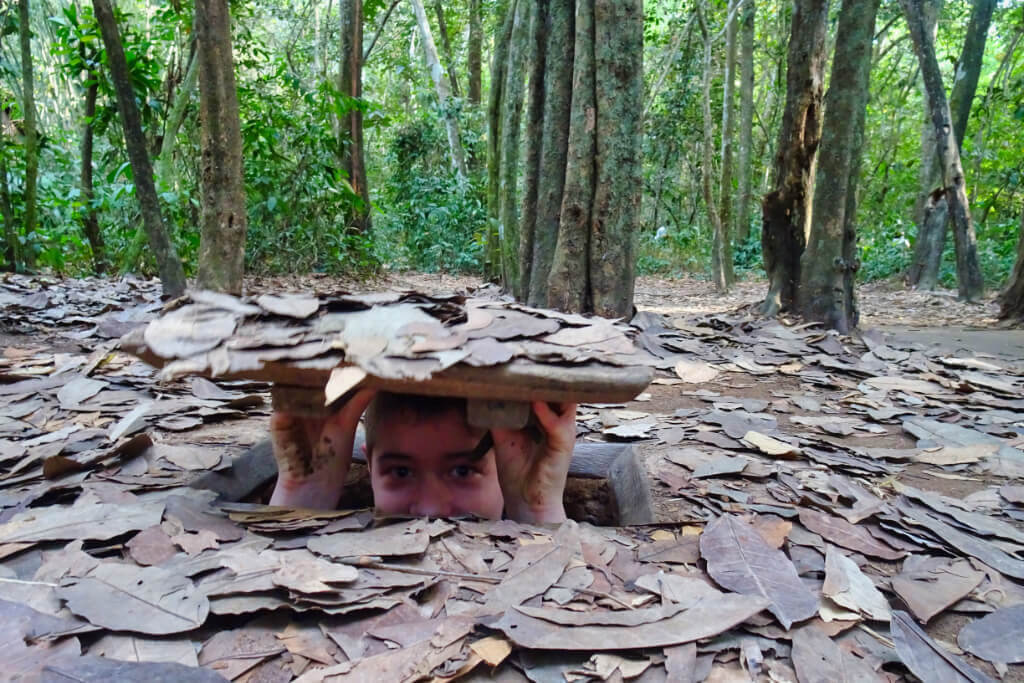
928	585
817	659
925	658
290	305
97	522
707	618
148	599
392	540
189	330
847	535
695	372
771	446
740	560
151	546
997	637
849	587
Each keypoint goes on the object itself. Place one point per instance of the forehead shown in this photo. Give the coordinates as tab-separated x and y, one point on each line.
425	437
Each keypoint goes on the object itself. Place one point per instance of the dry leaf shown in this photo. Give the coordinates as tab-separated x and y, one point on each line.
849	587
997	637
771	446
696	372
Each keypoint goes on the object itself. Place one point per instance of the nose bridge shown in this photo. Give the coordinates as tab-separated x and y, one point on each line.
433	497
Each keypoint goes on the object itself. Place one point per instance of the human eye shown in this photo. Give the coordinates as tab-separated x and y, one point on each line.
463	471
400	472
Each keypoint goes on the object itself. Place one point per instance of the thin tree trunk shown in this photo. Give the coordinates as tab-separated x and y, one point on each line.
13	247
568	282
968	67
554	142
615	220
90	221
728	133
719	270
172	275
511	117
31	136
1011	299
350	128
223	217
380	29
446	44
442	88
970	283
495	105
786	209
165	175
746	119
924	269
475	51
534	131
829	263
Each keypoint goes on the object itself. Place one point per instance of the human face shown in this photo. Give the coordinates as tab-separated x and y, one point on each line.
426	467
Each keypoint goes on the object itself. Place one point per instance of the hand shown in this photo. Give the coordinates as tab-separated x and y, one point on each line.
532	475
313	454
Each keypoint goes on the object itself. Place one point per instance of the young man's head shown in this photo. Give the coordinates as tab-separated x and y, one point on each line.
424	458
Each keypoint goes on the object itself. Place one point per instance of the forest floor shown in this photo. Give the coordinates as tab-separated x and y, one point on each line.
903	446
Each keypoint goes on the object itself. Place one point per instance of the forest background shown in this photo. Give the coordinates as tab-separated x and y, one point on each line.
429	210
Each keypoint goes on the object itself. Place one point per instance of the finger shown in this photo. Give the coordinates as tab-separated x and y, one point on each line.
353	409
551	417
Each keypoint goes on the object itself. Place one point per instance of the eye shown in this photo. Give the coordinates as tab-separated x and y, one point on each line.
463	471
400	472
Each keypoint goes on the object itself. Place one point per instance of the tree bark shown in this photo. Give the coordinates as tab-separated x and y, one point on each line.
31	135
554	142
786	209
90	221
475	46
568	281
969	278
12	251
446	44
1011	299
829	263
172	275
719	268
968	67
495	106
618	57
931	238
223	217
350	128
746	119
442	88
725	202
535	132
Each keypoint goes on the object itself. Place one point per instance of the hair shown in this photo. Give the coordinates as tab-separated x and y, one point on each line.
387	405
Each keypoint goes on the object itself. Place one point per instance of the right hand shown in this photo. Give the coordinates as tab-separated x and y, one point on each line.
313	454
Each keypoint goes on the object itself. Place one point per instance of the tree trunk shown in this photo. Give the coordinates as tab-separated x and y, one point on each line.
829	263
380	29
13	246
446	44
350	129
534	131
568	281
475	51
1011	299
495	106
968	67
924	269
785	210
223	218
746	119
172	276
968	270
728	133
554	142
165	175
442	88
90	222
31	136
719	267
615	220
511	118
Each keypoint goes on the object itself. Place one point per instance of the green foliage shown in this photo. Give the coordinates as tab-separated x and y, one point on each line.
434	221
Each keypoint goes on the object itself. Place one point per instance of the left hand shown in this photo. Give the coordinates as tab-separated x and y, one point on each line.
532	475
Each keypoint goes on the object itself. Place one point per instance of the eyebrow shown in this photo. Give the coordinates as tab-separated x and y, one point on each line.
477	452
